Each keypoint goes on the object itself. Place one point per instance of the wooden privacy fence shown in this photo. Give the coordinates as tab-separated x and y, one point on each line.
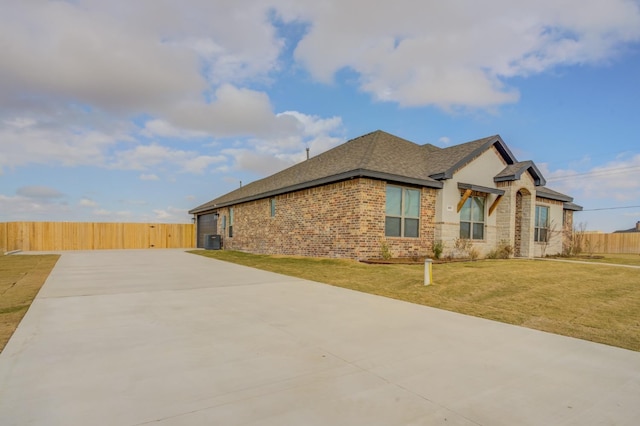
53	236
612	243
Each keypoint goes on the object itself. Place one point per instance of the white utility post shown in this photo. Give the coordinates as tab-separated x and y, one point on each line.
428	273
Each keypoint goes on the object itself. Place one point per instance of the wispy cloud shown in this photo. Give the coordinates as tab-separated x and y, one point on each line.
617	180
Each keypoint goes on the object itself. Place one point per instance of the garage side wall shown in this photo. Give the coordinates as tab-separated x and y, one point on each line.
339	220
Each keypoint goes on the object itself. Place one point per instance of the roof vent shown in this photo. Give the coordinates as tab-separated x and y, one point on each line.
307	153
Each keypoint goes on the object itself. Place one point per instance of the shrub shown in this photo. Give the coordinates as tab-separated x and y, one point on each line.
385	251
474	253
503	250
438	248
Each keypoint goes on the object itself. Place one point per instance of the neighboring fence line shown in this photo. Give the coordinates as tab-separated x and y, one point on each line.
627	242
53	236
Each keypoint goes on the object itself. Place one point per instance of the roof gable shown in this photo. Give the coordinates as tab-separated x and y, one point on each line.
444	163
515	171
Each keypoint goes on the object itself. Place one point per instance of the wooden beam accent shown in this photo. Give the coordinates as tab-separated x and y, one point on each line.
495	204
466	195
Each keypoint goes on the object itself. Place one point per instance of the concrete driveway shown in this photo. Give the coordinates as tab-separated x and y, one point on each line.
170	338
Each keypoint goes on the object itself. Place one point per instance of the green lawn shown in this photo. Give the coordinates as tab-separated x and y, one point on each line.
593	302
20	280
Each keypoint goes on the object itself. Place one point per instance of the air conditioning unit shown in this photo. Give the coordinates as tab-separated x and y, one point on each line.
212	242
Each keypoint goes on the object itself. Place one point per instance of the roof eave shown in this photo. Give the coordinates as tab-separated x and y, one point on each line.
572	206
211	206
557	197
479	188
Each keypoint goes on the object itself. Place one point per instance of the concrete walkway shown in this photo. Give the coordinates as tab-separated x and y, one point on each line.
169	338
584	262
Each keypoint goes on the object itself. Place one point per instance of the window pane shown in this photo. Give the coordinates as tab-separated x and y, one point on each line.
394	200
465	230
392	226
411	203
478	231
465	212
543	235
477	210
544	217
411	228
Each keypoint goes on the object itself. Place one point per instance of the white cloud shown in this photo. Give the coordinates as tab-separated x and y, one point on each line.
87	202
27	140
149	176
162	128
457	53
444	141
39	192
114	216
313	125
17	208
261	163
233	111
147	56
171	215
617	181
268	155
84	53
144	157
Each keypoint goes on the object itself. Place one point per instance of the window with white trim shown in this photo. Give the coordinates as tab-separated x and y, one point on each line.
541	228
402	212
230	222
472	219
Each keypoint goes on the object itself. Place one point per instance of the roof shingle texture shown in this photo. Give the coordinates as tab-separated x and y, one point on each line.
376	153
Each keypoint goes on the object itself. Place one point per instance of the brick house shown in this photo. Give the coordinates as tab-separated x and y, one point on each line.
379	189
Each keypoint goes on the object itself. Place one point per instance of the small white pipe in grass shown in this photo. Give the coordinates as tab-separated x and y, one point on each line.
428	272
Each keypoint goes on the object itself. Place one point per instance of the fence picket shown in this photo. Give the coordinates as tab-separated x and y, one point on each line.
56	236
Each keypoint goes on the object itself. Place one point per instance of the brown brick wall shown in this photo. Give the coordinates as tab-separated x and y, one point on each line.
344	219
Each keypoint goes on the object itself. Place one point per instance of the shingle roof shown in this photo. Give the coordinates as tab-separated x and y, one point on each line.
549	193
625	231
515	171
377	154
444	162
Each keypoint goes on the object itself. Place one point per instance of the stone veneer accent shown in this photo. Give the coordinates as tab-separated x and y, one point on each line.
341	220
515	217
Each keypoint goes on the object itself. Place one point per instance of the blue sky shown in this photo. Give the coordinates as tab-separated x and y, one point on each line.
139	111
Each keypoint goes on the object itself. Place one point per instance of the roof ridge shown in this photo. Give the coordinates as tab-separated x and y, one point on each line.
369	148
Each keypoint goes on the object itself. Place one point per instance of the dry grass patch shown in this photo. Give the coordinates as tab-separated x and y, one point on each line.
21	277
592	302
